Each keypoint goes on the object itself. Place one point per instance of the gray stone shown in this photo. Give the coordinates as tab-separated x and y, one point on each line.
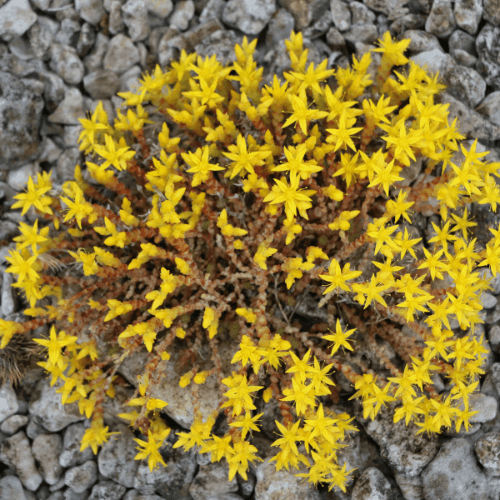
121	55
465	84
272	484
492	11
341	15
488	300
46	408
468	14
361	14
21	48
81	477
488	52
94	59
16	18
116	459
471	124
280	26
454	474
54	90
212	480
116	24
68	32
490	107
8	298
170	482
34	429
135	17
71	454
46	449
249	16
8	401
101	84
159	9
361	33
488	452
212	10
90	10
51	152
406	452
221	43
422	41
71	135
318	28
487	407
441	21
411	487
11	489
373	485
15	451
41	36
86	40
129	81
462	47
494	337
66	63
107	490
66	163
21	105
335	41
12	424
182	15
305	12
70	109
171	43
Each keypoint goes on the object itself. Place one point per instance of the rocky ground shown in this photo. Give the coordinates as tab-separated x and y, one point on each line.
57	60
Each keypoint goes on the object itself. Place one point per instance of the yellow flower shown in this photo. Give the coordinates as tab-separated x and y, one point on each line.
95	436
339	339
35	196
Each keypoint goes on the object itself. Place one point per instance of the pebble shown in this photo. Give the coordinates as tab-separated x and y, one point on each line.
11	489
213	478
468	14
486	406
116	459
249	16
8	304
441	21
182	15
46	449
70	109
12	424
81	477
16	18
8	401
488	452
341	15
101	84
135	18
372	485
22	102
406	452
66	63
272	484
107	490
15	452
121	54
488	300
454	474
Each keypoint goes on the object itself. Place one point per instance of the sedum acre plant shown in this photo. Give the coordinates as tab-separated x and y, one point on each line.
210	224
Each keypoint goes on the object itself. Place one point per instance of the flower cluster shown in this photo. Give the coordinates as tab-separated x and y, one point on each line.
215	205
